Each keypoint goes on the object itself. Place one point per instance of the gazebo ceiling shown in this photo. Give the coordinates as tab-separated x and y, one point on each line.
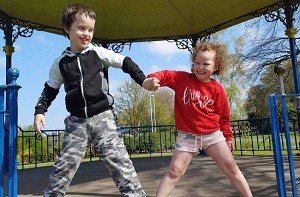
141	20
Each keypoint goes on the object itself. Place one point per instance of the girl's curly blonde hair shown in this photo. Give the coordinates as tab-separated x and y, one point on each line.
219	49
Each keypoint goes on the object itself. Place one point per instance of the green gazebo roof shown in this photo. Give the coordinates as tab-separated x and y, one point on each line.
142	20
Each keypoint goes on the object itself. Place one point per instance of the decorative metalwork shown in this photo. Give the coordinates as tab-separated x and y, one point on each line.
184	44
116	47
14	27
188	43
275	16
281	13
25	30
294	5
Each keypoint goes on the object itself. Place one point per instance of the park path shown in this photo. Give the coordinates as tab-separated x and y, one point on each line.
203	178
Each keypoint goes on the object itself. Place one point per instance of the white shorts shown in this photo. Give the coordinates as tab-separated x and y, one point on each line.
192	142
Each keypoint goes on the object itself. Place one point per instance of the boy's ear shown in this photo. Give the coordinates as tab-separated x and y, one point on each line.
65	29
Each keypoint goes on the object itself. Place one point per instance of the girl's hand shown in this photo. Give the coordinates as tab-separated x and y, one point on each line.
230	145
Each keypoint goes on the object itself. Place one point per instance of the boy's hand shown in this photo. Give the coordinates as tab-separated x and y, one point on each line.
151	84
39	119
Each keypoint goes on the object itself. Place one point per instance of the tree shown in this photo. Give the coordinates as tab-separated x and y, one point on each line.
268	44
256	105
164	107
133	105
234	80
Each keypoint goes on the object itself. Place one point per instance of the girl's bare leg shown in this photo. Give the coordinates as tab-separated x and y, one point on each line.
221	154
179	163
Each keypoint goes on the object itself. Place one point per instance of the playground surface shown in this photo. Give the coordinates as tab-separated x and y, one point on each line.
203	178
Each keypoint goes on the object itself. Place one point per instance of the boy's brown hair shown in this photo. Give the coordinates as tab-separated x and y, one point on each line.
68	15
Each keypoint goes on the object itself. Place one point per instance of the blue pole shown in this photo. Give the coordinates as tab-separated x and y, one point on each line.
294	63
12	90
8	49
289	146
277	146
2	89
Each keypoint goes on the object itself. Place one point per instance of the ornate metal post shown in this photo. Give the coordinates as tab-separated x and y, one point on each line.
290	8
8	49
12	30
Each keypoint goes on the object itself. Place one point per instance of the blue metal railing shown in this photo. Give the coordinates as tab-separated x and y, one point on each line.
11	115
2	89
277	149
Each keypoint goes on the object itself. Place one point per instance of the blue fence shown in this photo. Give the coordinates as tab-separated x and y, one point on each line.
8	127
277	104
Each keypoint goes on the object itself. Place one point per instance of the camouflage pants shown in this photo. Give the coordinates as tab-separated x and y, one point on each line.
101	131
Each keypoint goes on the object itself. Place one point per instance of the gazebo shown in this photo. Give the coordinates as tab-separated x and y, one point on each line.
121	22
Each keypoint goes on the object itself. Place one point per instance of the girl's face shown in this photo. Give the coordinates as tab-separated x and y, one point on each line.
81	32
204	65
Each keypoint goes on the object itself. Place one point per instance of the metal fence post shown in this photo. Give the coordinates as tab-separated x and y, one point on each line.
277	146
12	96
289	146
2	90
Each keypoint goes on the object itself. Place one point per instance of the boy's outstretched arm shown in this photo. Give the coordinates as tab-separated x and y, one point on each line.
151	84
44	101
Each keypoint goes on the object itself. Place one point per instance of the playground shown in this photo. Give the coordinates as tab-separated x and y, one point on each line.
267	175
202	178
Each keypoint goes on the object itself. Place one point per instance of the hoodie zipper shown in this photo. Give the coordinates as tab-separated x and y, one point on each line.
81	87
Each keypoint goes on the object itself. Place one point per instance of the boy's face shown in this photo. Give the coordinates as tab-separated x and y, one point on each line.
81	32
204	65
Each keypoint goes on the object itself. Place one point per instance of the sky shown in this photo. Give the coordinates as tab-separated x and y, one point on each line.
34	56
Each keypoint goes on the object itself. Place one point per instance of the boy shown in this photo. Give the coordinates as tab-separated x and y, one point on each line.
81	69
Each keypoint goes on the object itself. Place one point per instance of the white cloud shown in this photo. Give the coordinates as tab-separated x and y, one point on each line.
42	40
164	48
